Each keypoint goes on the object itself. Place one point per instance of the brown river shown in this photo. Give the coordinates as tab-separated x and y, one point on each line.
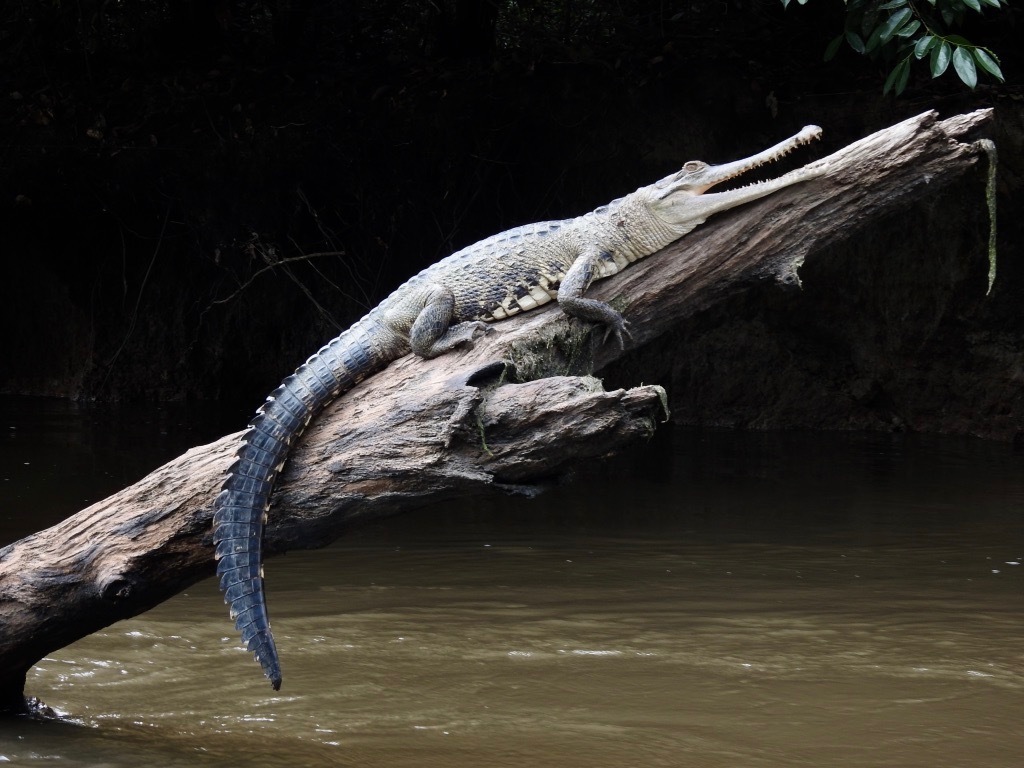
715	599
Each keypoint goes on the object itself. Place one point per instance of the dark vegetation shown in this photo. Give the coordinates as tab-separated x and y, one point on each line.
195	194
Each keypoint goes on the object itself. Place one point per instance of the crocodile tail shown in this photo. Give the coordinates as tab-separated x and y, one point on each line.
241	507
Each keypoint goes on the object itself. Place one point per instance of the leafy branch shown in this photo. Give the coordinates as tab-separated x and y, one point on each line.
909	30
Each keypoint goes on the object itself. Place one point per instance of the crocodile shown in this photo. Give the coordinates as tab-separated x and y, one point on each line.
447	305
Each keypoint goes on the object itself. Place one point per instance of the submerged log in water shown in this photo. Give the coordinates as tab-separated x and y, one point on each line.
512	413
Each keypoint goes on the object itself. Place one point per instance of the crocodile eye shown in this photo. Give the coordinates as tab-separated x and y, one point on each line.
694	165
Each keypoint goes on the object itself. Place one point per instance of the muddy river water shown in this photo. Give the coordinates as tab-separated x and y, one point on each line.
716	599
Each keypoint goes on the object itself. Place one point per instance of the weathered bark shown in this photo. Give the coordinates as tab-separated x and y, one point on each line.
511	413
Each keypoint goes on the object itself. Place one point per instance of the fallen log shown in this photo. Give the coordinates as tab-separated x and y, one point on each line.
511	413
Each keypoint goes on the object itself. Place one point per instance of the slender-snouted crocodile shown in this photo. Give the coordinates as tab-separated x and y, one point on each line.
448	304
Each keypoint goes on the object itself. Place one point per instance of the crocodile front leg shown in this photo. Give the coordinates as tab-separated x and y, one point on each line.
572	301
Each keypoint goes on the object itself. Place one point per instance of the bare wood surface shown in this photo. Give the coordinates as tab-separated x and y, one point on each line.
499	415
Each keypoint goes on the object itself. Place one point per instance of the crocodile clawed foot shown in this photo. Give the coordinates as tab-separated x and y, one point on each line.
476	329
619	331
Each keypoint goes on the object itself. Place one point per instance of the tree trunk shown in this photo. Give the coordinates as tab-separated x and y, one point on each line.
511	413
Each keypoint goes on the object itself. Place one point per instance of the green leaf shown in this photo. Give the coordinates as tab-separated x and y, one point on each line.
874	40
922	46
890	80
993	3
988	63
974	5
940	58
833	48
855	41
897	79
904	76
893	4
893	23
909	28
963	63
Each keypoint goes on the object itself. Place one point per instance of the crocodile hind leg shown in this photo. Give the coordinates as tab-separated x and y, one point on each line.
432	333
